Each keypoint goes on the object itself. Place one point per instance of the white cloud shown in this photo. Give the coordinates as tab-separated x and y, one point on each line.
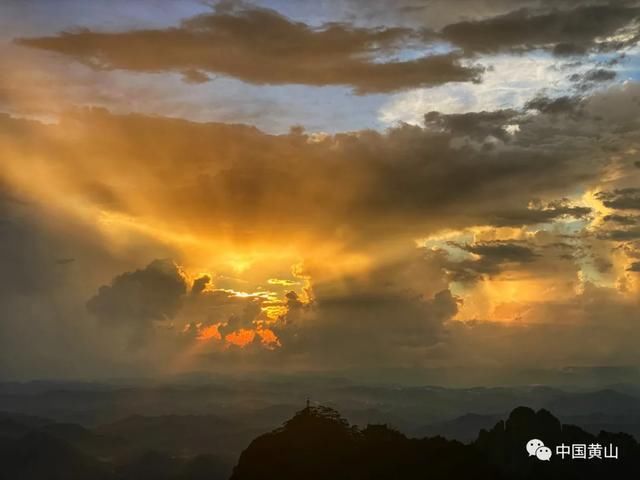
509	82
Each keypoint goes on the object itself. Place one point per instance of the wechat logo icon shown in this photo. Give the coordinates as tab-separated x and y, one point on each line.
536	448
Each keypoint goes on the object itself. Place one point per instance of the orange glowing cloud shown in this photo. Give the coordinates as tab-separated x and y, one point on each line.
268	337
208	333
240	338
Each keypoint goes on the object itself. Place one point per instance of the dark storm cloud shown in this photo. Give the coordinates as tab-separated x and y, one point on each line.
362	322
621	219
621	199
199	284
599	75
492	258
293	301
501	252
435	14
565	32
634	267
618	228
530	216
620	235
592	78
477	125
557	105
262	47
151	294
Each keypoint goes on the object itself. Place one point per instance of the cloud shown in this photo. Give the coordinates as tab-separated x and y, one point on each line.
591	328
620	235
476	125
260	46
141	297
221	312
565	32
622	219
341	214
380	320
509	82
157	306
593	79
556	105
367	321
531	216
199	284
489	258
501	251
158	302
599	75
357	320
203	186
622	199
436	14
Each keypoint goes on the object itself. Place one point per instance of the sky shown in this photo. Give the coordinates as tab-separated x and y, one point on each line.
340	187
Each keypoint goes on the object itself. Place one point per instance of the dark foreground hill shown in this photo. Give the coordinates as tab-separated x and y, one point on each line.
318	444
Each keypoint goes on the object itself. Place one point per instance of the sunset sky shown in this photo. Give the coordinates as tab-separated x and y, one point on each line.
339	186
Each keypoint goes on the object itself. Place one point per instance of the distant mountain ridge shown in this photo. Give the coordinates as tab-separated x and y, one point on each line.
45	450
464	428
264	405
187	446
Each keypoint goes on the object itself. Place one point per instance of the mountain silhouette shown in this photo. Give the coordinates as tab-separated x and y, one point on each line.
504	446
317	443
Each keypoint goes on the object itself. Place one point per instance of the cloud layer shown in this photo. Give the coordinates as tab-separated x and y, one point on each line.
262	47
493	232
